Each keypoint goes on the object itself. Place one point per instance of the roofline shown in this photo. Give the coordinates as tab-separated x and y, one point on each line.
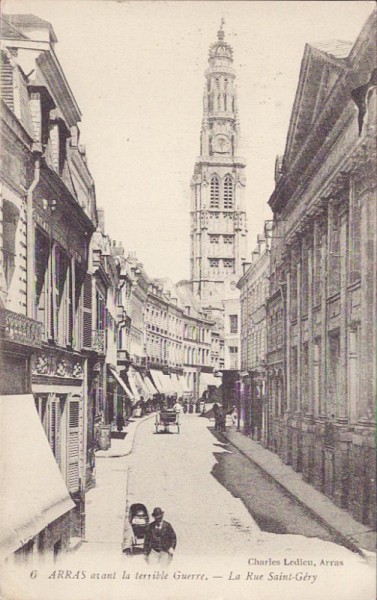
48	56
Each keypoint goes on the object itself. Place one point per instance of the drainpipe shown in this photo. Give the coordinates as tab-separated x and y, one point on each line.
30	240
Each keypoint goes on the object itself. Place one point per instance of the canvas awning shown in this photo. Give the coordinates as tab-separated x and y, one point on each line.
152	389
123	385
177	384
169	385
182	384
142	387
134	381
33	491
157	382
207	379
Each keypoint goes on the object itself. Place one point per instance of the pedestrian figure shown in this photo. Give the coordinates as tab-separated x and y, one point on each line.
220	421
160	540
234	416
177	407
120	421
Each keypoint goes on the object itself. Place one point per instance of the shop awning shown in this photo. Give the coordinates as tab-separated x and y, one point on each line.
182	384
33	491
134	384
157	382
179	386
207	379
168	383
149	384
123	385
143	390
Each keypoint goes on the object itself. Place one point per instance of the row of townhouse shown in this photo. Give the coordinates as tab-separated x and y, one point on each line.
85	334
309	380
48	217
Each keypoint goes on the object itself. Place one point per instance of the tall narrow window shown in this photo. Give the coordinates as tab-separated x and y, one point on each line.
293	289
317	376
228	192
333	375
42	279
304	280
334	252
319	255
215	192
293	371
233	323
355	239
73	446
10	221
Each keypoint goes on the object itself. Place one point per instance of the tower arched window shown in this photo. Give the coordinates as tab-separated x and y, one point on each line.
228	192
215	192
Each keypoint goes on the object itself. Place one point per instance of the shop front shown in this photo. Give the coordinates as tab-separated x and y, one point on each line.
58	386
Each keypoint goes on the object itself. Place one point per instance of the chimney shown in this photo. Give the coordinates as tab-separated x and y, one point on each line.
101	219
245	266
75	136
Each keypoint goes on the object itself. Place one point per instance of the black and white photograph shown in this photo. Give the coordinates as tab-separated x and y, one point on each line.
188	300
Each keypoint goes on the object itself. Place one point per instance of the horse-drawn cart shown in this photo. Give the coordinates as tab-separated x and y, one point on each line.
166	419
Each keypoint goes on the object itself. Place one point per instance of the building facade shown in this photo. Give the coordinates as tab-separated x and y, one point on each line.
49	216
254	288
322	299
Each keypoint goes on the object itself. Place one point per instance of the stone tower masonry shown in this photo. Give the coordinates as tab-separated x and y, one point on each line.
218	216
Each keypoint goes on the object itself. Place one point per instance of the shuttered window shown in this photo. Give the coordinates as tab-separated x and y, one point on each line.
73	445
54	428
71	304
87	312
42	280
41	406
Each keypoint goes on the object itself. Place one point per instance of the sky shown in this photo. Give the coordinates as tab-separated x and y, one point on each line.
137	71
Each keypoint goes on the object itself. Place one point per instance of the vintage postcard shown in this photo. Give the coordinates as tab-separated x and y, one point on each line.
188	300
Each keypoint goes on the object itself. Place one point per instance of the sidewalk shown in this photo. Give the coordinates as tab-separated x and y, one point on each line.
106	502
351	533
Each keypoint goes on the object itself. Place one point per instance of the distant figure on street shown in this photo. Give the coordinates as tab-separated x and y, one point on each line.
120	421
177	407
234	415
160	540
220	421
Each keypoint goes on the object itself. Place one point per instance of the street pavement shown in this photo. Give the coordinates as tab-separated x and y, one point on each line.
237	529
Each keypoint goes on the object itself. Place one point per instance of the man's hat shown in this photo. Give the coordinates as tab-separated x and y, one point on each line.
157	512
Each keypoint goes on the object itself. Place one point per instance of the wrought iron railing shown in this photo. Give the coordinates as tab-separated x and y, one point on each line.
20	329
99	341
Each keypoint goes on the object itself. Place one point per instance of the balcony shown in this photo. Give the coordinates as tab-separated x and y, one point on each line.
19	329
99	344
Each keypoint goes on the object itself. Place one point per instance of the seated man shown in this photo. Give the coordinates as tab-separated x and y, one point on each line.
160	540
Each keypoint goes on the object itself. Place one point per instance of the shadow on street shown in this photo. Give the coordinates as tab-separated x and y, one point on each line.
271	507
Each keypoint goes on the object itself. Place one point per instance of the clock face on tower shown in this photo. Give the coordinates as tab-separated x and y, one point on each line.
221	144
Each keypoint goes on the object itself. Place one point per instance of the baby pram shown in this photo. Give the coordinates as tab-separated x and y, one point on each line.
139	521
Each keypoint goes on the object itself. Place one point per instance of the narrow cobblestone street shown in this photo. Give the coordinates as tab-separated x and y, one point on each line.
195	477
225	529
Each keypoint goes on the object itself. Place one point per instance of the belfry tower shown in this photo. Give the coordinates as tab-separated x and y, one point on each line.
218	216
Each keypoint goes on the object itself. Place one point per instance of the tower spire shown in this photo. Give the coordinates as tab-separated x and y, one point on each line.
221	33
